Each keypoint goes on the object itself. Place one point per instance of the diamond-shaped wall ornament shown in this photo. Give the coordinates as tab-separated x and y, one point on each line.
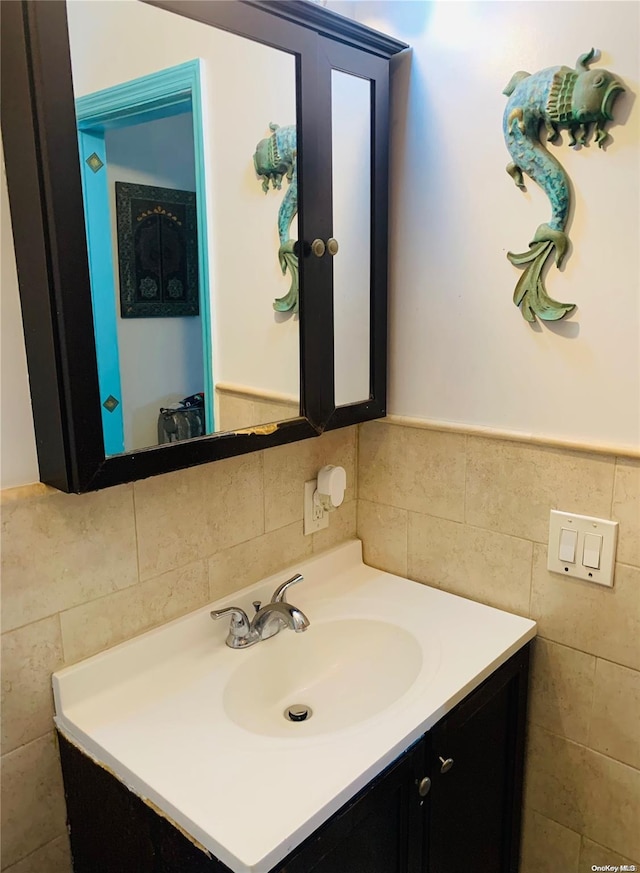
111	403
94	162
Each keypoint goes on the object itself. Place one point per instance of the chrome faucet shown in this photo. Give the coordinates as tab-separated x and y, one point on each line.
267	621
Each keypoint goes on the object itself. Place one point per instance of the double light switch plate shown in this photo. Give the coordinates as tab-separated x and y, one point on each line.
582	547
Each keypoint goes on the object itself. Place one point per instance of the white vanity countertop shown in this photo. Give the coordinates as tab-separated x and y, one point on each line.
153	709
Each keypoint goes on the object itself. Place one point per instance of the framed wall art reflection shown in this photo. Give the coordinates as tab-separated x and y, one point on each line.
157	251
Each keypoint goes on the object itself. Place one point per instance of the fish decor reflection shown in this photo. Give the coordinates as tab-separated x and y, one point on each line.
558	97
274	159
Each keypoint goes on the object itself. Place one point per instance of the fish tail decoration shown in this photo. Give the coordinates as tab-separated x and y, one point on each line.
530	293
288	262
275	158
286	254
532	158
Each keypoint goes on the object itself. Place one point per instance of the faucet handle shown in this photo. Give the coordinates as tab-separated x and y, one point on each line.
280	594
239	626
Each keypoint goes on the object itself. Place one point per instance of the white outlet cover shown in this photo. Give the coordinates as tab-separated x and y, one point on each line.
583	525
311	523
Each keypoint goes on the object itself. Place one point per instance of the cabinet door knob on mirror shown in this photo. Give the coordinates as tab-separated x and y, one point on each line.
446	764
424	786
332	246
318	248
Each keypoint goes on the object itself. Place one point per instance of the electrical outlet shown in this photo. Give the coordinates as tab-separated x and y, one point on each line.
315	517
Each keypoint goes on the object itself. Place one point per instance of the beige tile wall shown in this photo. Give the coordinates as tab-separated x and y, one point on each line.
82	573
465	513
237	410
470	515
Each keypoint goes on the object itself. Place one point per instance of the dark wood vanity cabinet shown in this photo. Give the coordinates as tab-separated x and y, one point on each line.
449	804
475	758
73	410
376	832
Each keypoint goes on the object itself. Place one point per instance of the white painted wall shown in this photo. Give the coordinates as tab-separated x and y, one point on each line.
246	85
460	351
160	358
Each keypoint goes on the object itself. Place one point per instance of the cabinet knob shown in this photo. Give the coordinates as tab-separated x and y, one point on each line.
446	764
318	248
424	786
332	246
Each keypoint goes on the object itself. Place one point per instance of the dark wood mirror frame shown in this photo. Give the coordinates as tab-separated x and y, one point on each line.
41	154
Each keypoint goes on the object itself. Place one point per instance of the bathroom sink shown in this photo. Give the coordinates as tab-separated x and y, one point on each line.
342	672
199	730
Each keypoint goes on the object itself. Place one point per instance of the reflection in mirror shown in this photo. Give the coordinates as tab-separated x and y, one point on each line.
351	157
274	158
180	106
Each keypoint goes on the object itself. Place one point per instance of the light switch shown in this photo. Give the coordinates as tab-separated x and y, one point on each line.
568	542
582	547
592	551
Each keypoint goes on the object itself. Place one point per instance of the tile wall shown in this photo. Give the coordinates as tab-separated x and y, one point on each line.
240	409
465	513
82	573
470	515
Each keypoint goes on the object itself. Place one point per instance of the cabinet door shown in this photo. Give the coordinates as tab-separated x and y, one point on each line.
379	831
476	760
351	219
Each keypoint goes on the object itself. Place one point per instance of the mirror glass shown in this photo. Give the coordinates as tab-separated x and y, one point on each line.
189	165
351	158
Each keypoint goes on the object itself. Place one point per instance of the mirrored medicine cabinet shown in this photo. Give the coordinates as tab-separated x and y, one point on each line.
198	196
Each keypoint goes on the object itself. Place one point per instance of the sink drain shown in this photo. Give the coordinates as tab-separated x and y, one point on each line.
298	712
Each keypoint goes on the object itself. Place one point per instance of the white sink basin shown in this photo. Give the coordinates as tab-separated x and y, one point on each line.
198	728
344	671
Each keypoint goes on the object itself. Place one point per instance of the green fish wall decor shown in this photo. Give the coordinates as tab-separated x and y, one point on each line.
274	158
558	97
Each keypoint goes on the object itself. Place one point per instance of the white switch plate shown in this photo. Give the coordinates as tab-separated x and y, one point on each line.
315	517
583	525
